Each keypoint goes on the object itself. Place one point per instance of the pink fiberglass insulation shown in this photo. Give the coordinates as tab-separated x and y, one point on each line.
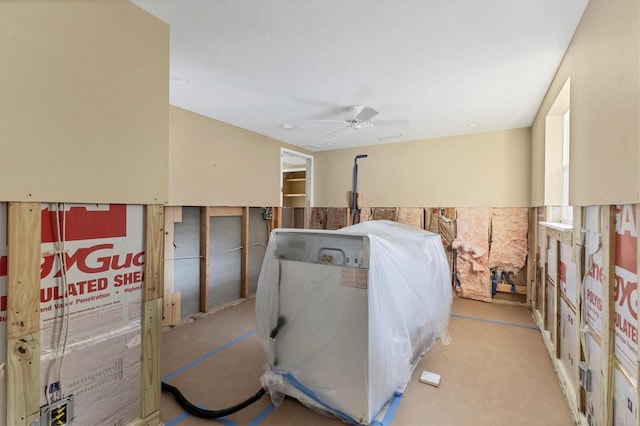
472	253
509	227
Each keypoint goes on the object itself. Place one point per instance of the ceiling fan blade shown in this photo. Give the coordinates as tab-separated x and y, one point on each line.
380	138
327	121
333	132
366	114
390	123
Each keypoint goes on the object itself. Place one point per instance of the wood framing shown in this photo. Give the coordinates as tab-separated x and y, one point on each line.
206	213
153	264
244	257
172	215
204	259
224	211
23	313
151	355
608	229
151	420
577	258
23	306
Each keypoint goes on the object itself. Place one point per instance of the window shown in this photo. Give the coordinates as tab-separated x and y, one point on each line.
556	159
567	210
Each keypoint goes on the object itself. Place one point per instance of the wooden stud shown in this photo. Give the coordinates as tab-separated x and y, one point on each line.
531	264
204	259
23	304
277	217
151	335
543	293
607	217
576	257
153	268
169	217
244	256
23	379
175	308
151	420
23	313
224	211
558	317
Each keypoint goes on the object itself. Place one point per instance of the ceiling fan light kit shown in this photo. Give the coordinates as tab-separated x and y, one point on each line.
359	117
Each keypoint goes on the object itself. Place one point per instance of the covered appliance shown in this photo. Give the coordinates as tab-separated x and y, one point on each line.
344	315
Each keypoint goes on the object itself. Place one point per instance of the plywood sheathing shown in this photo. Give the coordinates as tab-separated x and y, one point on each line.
365	214
385	213
472	253
508	248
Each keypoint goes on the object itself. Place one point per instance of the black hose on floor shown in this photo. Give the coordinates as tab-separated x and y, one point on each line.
209	414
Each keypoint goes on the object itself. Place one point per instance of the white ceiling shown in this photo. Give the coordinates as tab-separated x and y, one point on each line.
440	64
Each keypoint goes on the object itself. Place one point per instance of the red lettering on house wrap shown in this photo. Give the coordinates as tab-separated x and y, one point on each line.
627	237
92	260
3	265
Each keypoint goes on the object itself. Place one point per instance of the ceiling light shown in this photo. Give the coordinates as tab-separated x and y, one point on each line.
288	126
179	81
330	143
473	124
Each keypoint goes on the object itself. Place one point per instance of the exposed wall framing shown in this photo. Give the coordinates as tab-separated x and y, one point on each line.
600	290
23	314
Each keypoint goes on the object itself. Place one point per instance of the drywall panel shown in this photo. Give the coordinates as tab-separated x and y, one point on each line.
85	112
602	61
626	292
479	170
224	259
216	164
258	238
186	263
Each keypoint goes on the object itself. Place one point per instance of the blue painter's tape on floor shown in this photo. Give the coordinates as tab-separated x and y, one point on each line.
180	417
262	415
510	324
207	355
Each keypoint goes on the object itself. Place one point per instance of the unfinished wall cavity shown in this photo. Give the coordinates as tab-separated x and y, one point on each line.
472	252
186	261
90	309
602	271
258	238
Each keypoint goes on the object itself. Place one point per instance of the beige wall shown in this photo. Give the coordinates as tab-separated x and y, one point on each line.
215	163
84	102
486	169
604	66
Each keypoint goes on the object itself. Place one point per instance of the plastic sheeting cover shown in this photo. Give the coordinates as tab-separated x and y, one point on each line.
347	337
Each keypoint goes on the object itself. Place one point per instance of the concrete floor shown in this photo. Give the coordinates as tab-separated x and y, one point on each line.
495	371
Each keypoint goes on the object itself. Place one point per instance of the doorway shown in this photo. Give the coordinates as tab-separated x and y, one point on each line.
296	188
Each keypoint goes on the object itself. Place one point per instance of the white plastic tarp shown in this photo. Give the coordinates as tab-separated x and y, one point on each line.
344	315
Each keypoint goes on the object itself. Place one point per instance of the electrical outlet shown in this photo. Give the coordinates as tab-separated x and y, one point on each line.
585	376
58	413
267	214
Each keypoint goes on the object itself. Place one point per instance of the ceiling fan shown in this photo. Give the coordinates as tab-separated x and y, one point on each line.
359	117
